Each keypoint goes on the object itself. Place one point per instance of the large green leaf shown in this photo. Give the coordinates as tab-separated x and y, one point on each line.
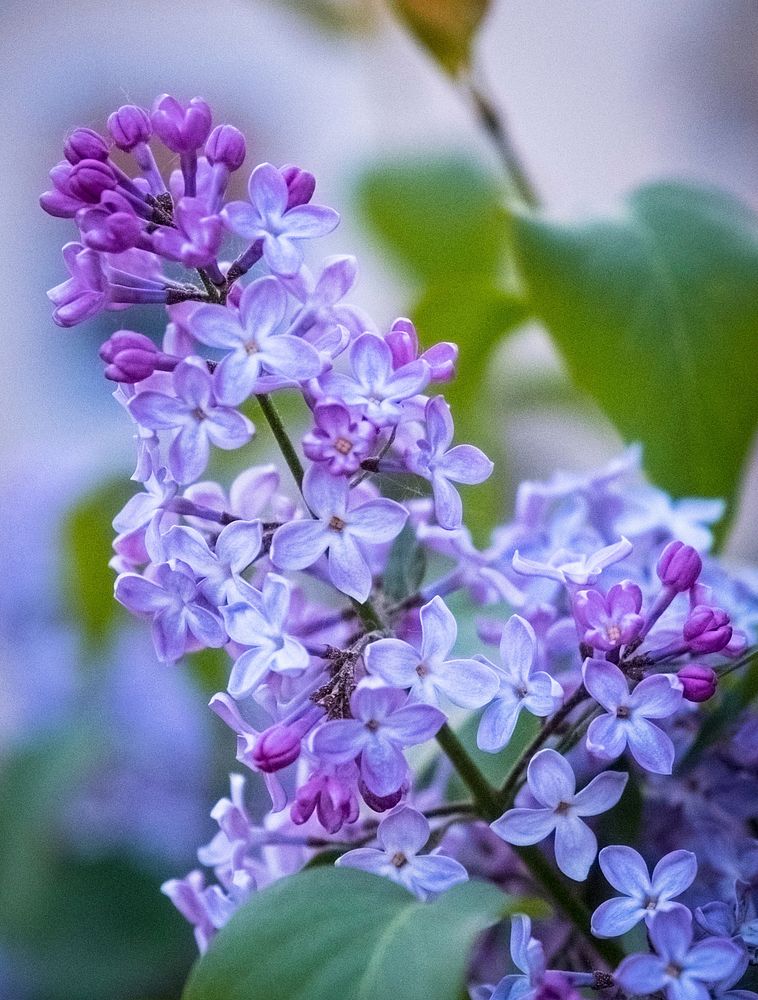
446	28
330	933
655	313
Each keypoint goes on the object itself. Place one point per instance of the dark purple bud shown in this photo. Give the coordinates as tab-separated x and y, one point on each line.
707	629
130	126
403	342
300	185
679	566
85	144
181	127
89	179
699	682
380	803
277	747
226	145
131	357
125	340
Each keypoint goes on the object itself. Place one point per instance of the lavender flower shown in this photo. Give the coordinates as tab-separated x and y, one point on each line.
528	955
428	672
627	722
610	621
381	727
561	808
520	686
339	439
402	834
643	896
572	568
219	570
344	532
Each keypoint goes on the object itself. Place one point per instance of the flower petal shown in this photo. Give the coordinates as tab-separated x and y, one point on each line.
601	794
348	569
299	544
405	830
467	683
518	648
625	869
650	746
657	696
615	917
674	873
575	847
606	683
525	826
466	464
551	779
394	661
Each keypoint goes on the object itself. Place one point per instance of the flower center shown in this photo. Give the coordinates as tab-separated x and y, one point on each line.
251	347
336	523
614	633
398	859
562	808
673	970
372	725
622	712
422	670
651	902
199	413
343	446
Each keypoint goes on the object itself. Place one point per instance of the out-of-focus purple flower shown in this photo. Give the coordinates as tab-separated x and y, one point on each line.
178	610
140	509
611	620
195	238
428	672
330	792
195	417
131	357
218	570
403	342
322	308
521	686
181	127
537	982
573	568
207	908
698	682
435	460
373	383
652	512
341	531
254	346
643	897
338	439
679	566
707	629
266	217
130	126
381	727
683	971
561	808
402	834
259	621
627	722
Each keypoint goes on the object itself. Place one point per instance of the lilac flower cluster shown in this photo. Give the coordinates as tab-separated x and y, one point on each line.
612	623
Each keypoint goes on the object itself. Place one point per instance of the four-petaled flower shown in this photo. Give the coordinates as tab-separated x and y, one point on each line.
552	783
342	531
682	970
521	686
402	834
611	620
627	722
195	416
644	897
381	727
435	460
339	439
266	217
218	570
428	672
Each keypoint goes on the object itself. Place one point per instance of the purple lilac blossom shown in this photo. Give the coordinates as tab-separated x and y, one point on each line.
560	810
339	439
612	620
643	895
628	714
427	672
383	725
520	686
219	571
574	568
401	835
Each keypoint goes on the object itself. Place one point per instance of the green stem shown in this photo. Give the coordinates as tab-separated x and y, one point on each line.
485	796
286	447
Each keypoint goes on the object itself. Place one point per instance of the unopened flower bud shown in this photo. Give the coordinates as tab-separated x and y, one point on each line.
380	803
130	126
226	145
277	747
707	629
89	178
85	144
181	127
300	183
679	566
403	342
131	357
698	682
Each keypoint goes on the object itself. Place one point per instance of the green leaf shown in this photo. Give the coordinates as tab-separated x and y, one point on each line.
87	546
405	568
654	312
494	766
446	28
441	217
330	933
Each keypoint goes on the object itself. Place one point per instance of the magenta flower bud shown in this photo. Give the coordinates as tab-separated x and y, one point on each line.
131	357
89	179
707	629
181	127
381	803
699	682
277	746
226	145
679	566
403	342
300	184
85	144
125	340
130	126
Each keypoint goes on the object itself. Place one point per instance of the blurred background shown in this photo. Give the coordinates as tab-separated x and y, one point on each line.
109	762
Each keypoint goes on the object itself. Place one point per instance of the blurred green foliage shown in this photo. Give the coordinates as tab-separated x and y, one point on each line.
446	28
358	935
